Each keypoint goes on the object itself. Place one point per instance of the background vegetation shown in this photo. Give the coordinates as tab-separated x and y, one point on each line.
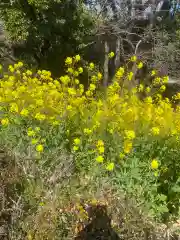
91	144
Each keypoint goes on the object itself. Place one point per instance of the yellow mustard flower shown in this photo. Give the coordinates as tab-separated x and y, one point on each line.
24	112
39	148
162	88
120	73
76	81
165	79
40	116
75	148
34	141
111	55
87	131
110	166
130	76
92	87
77	58
127	146
101	149
70	70
80	70
100	159
155	131
130	134
69	107
20	64
91	66
14	107
148	100
140	88
133	58
153	73
154	164
148	89
31	133
77	141
100	143
140	65
68	61
5	121
99	75
76	73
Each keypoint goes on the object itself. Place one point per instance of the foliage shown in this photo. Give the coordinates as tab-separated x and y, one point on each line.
44	32
71	143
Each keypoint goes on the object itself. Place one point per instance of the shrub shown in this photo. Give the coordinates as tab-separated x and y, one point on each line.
66	138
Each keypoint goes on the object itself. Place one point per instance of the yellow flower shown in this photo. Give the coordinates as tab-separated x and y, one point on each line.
130	134
93	78
165	79
80	70
34	141
75	148
87	131
76	81
20	64
11	68
148	89
120	73
153	73
162	88
127	146
130	76
99	75
91	66
100	159
100	143
157	81
92	87
140	88
111	55
101	149
155	131
140	65
68	61
154	164
0	67
148	100
110	166
133	59
14	107
77	58
24	112
70	70
40	116
31	133
77	141
29	73
69	107
5	121
76	73
39	148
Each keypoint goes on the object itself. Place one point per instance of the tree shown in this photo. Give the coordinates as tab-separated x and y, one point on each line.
43	32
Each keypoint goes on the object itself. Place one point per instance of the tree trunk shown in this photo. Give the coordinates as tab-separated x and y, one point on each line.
106	64
118	48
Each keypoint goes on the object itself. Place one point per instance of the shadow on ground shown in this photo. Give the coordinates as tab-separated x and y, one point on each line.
99	227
